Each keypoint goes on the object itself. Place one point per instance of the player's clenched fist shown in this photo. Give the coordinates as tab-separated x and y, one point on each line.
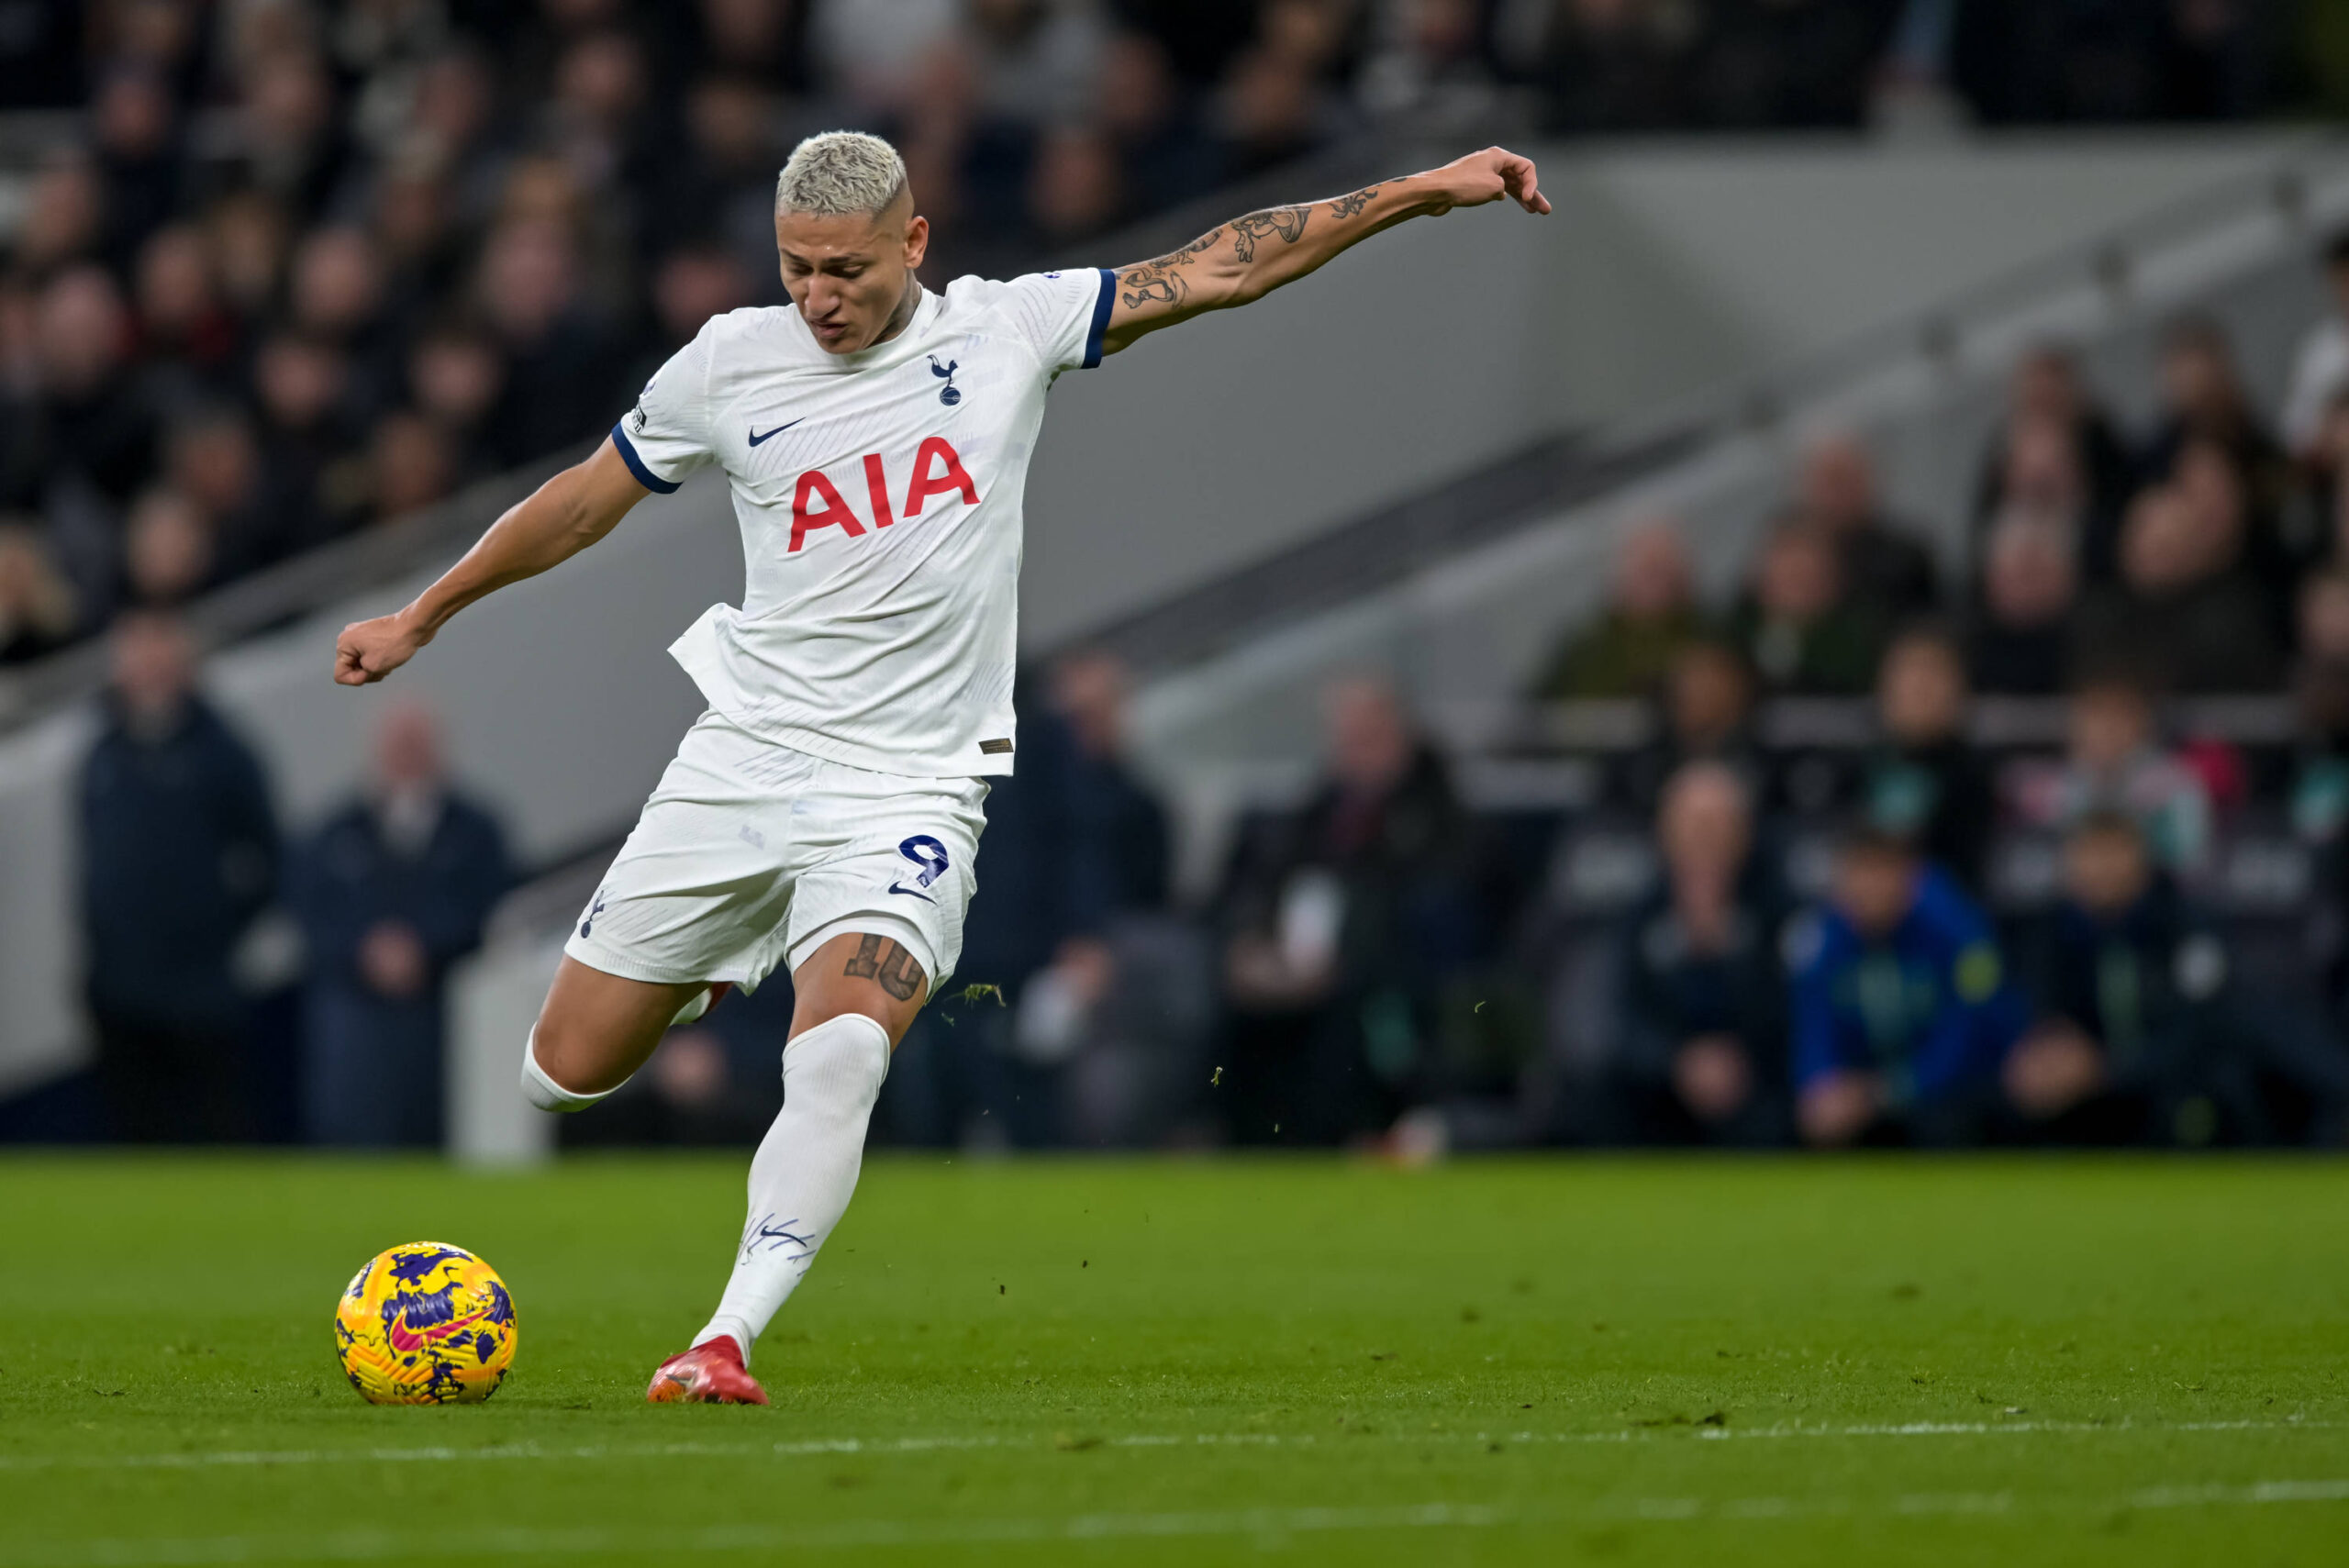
369	649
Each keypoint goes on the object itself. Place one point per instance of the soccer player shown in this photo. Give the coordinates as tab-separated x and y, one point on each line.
826	810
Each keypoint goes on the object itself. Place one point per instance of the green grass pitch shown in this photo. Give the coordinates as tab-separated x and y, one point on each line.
1646	1361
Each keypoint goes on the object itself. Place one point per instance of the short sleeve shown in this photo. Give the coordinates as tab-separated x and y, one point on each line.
1061	315
666	436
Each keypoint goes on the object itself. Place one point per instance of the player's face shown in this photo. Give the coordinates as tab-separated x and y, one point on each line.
848	275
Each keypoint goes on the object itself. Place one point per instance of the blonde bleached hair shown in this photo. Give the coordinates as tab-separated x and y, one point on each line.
840	173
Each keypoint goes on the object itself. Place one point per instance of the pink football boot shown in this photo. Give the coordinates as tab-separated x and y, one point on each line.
710	1374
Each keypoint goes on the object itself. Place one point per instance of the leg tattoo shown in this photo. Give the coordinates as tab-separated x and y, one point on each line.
889	965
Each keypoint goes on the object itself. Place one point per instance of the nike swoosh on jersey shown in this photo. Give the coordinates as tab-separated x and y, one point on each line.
756	438
911	894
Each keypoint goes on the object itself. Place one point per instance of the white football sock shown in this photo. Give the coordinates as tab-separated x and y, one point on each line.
544	1092
804	1170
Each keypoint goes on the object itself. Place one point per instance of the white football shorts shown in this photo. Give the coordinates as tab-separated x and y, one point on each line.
750	855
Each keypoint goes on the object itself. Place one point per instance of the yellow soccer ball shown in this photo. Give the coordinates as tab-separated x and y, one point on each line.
425	1324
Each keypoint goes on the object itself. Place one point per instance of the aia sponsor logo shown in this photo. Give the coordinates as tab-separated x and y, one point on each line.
817	502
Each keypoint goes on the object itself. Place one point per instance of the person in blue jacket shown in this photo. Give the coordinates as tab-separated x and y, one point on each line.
1902	1008
391	892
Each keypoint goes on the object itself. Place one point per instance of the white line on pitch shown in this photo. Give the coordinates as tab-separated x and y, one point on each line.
1263	1523
264	1458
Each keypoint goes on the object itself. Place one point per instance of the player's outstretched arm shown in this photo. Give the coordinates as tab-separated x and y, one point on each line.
1251	256
550	526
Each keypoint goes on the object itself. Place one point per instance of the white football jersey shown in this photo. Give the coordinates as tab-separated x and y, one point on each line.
879	498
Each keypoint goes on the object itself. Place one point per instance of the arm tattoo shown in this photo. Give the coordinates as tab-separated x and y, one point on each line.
1288	222
886	965
1160	282
1346	206
1151	283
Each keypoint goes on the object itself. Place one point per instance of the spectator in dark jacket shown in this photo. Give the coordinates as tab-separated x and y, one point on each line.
2123	983
1708	714
391	892
1883	570
2043	486
2141	1034
1923	782
2184	612
2081	478
1703	1058
1120	822
91	422
1652	615
1902	1013
1343	920
1113	1016
2020	641
2204	400
558	350
179	853
1798	627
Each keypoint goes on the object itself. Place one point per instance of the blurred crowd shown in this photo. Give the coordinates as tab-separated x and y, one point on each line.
302	267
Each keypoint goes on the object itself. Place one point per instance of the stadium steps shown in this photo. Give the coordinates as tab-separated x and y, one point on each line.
1387	546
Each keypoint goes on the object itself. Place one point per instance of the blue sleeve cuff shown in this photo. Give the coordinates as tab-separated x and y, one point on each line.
644	475
1100	327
